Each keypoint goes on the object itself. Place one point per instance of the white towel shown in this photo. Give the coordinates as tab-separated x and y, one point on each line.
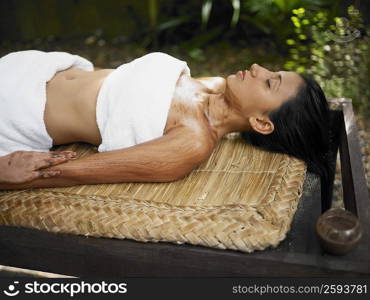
134	100
23	78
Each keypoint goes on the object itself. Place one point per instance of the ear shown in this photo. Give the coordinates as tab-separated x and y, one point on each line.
261	124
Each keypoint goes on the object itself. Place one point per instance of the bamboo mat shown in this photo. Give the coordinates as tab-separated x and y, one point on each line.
241	198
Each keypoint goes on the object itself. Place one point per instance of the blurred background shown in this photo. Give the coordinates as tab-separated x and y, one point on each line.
214	36
328	39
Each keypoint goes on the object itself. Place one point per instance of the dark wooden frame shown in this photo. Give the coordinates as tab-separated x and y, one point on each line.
298	255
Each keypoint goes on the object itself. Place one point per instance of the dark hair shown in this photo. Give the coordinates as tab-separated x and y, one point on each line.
301	129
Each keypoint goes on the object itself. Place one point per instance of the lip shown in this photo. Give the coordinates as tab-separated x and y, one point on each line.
241	74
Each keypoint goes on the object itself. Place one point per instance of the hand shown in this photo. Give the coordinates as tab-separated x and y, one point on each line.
25	166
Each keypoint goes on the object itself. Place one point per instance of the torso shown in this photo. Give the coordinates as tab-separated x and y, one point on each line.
70	112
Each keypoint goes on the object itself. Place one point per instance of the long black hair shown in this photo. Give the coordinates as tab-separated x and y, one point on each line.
301	129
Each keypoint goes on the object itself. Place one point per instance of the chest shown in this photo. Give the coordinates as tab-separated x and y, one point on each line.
189	102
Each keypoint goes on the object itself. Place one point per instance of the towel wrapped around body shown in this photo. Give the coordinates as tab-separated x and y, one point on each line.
24	75
132	103
134	100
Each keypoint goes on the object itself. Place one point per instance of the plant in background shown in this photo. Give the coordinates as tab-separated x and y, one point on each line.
195	23
270	16
207	7
337	56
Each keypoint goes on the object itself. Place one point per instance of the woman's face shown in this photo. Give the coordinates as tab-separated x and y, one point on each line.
258	91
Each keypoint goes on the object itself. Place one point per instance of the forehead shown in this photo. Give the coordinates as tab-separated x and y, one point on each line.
290	83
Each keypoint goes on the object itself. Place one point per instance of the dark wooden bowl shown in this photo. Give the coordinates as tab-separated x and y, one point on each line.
338	230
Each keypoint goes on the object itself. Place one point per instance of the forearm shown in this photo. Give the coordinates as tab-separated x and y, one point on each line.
141	163
119	166
100	168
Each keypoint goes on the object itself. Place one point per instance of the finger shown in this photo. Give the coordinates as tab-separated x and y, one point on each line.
45	163
61	159
69	154
48	173
40	174
38	160
54	158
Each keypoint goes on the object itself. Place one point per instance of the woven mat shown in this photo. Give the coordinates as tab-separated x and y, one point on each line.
241	198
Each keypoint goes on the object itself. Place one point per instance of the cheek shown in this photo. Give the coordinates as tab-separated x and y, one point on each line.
237	86
257	100
239	92
268	103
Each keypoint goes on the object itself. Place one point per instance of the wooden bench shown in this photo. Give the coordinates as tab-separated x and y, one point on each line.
298	255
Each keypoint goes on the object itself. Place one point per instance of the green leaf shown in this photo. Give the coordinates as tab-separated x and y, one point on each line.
206	12
286	5
201	39
236	12
172	23
153	12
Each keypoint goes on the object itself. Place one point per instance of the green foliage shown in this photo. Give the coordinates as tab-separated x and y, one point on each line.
206	12
337	56
236	12
207	7
270	16
170	22
266	15
153	12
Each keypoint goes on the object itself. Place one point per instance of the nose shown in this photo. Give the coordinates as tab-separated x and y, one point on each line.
255	69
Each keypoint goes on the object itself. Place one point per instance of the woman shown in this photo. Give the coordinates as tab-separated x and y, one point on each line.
278	111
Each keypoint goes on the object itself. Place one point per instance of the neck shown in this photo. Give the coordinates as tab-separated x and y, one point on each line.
221	116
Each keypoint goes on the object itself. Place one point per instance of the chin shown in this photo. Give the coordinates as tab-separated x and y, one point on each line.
232	76
230	79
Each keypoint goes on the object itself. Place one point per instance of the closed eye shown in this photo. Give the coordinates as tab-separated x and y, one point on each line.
268	83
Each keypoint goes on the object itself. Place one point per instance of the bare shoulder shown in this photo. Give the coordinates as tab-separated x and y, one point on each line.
193	138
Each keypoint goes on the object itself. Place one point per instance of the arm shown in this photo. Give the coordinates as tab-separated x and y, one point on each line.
167	158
